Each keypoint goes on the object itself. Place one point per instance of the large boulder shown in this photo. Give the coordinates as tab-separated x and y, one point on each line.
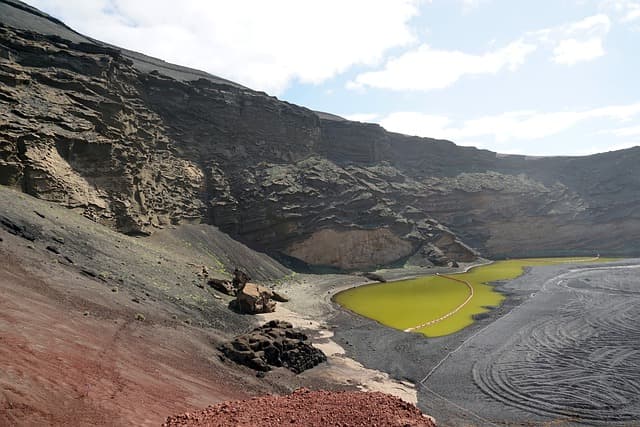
254	299
273	344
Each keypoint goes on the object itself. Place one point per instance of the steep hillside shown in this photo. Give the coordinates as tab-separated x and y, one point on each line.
138	144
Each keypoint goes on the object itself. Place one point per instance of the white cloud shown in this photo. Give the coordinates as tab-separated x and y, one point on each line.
361	117
632	15
426	68
264	45
503	128
469	5
626	131
576	41
414	123
615	147
626	10
572	51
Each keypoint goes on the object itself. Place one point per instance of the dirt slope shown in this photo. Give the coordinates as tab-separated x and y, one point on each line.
97	328
309	408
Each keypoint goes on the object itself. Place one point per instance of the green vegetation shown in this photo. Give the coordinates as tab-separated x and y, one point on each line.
409	303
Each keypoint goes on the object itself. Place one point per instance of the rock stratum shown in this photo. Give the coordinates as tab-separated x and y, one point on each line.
138	144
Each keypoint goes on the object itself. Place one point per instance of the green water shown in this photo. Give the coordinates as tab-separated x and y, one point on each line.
408	303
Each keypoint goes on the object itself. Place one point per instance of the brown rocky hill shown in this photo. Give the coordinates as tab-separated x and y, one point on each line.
139	144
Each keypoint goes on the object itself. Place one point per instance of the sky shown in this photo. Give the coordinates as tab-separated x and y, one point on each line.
536	77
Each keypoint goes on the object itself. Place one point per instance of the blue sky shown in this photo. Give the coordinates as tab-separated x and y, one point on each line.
547	77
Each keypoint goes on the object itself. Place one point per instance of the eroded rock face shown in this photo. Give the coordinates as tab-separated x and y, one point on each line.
138	151
102	131
274	344
351	249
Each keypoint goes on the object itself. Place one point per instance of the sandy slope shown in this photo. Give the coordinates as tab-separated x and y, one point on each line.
74	352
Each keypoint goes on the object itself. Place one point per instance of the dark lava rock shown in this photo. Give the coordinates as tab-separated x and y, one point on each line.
223	286
53	249
277	296
275	343
17	229
374	276
88	272
240	278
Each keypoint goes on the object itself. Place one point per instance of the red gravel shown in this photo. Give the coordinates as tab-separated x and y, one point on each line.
309	408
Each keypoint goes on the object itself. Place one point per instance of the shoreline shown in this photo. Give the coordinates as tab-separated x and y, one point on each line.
312	307
412	357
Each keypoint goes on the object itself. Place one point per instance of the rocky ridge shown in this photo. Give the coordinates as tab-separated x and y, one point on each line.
140	145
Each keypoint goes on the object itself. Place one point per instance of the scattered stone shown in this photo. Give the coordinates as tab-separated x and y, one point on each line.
88	272
374	276
222	285
58	240
53	249
136	300
277	296
69	260
140	317
275	343
39	214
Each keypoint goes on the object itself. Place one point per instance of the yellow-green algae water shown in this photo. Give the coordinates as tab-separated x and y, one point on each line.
408	303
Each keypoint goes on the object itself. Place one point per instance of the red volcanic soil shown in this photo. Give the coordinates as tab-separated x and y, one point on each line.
309	408
80	360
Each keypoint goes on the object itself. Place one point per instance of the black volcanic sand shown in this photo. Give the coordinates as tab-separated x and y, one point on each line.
563	348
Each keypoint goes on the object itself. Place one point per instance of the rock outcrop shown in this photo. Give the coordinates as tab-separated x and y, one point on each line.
254	299
275	344
137	144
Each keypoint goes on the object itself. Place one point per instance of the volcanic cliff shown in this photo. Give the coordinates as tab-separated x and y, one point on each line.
138	144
